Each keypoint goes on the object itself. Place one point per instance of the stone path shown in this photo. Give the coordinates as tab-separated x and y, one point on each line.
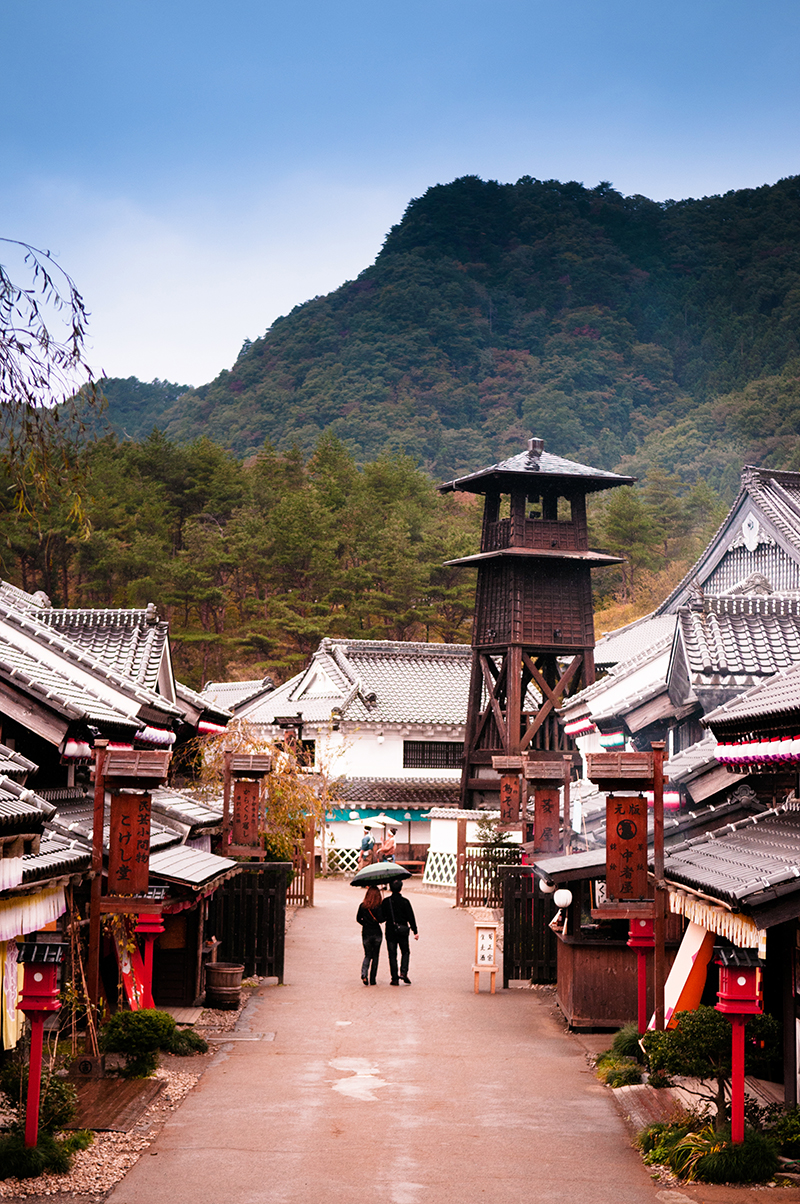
397	1095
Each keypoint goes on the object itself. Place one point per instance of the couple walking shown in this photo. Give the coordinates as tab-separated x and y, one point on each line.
397	914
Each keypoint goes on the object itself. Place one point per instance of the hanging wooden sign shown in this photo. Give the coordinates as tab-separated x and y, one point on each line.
510	798
246	799
546	820
129	844
626	848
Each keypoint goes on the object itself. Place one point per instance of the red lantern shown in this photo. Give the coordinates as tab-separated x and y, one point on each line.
739	997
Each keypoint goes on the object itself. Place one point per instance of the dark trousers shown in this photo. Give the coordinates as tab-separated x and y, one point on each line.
392	943
372	948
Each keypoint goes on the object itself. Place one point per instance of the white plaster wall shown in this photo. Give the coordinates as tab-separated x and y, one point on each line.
360	753
444	835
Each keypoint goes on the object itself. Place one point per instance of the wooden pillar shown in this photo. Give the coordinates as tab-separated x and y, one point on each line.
660	899
226	798
461	863
98	817
309	861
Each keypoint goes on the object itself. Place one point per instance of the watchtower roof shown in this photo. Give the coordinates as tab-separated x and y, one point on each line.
532	466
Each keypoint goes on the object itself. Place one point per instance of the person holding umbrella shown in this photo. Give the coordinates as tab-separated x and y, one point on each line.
371	935
399	917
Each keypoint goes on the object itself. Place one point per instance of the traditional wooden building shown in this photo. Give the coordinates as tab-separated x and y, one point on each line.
533	631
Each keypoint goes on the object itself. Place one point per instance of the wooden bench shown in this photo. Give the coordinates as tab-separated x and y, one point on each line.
412	866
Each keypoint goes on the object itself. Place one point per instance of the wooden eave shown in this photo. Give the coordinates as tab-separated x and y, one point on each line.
591	558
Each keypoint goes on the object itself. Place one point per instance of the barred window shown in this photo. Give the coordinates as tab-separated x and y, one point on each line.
432	754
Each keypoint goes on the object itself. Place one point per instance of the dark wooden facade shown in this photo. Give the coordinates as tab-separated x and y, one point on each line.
533	634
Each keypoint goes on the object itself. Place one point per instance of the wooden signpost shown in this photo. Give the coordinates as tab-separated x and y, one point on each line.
627	776
485	952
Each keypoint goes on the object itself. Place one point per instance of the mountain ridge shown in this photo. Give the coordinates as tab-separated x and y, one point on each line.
623	331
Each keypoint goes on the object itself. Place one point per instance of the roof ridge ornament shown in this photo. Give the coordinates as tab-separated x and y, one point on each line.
535	449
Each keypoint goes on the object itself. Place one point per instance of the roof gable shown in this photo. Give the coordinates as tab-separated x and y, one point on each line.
759	535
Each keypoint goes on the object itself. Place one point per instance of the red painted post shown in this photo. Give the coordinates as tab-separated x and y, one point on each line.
737	1078
34	1079
149	928
640	938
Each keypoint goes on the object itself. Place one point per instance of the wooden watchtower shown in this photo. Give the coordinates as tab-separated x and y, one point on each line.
533	634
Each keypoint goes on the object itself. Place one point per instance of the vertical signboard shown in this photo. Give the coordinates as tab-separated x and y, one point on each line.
246	796
626	848
129	844
546	818
510	797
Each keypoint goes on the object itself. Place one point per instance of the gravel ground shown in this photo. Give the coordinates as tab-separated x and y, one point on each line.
111	1155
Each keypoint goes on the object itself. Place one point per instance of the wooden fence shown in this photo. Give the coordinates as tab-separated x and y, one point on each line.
478	880
247	914
530	946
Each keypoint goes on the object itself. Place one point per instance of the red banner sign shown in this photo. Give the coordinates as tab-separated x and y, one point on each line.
510	798
129	844
246	797
546	820
626	848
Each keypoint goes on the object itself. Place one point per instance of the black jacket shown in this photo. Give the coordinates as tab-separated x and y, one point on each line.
370	921
397	909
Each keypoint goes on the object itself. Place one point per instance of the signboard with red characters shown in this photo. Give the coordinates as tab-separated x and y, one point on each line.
129	844
626	848
547	819
246	799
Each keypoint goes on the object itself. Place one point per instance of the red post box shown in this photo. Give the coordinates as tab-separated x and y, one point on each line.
739	996
39	996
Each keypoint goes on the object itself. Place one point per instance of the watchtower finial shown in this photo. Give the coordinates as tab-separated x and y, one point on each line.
535	449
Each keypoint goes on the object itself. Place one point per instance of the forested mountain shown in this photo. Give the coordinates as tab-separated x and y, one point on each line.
623	331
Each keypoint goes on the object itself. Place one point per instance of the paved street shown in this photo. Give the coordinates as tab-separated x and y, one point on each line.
395	1095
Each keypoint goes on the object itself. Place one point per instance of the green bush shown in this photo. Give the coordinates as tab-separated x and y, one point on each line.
58	1098
695	1150
616	1071
140	1035
185	1041
50	1154
626	1043
778	1122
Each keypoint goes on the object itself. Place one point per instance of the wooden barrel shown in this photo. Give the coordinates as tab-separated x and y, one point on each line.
223	985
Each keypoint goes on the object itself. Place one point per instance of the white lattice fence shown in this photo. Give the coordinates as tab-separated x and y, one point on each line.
342	861
440	870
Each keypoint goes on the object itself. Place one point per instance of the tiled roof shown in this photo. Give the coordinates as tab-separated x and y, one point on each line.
130	641
375	681
76	820
534	466
684	765
17	816
190	867
407	792
779	696
201	703
14	764
63	674
745	863
651	632
57	855
175	805
733	635
232	694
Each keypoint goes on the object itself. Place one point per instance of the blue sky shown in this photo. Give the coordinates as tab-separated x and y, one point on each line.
202	168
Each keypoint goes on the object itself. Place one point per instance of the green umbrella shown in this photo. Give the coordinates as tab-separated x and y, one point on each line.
380	874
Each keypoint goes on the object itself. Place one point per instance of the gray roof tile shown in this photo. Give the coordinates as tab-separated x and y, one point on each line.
735	634
743	861
376	682
536	467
